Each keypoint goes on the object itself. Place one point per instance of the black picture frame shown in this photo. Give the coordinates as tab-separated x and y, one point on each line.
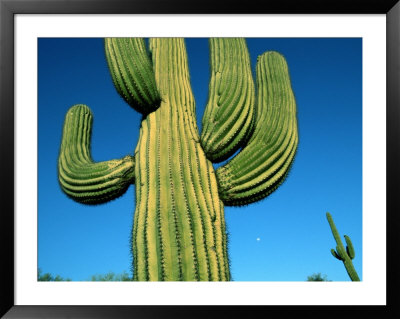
8	10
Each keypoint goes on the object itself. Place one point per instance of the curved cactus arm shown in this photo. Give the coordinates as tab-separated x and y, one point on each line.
82	179
263	164
335	254
229	115
341	253
349	248
132	73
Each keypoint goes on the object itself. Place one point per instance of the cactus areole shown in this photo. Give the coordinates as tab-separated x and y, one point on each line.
179	226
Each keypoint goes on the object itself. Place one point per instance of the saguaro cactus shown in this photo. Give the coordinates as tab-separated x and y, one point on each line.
179	227
344	254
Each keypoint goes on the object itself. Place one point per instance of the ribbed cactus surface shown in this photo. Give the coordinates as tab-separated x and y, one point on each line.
229	114
264	162
82	179
179	227
178	233
132	73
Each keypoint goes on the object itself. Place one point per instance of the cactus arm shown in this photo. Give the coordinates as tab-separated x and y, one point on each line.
229	115
264	163
345	255
82	179
349	248
132	73
334	254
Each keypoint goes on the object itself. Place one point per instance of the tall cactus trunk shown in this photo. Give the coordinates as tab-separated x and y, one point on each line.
179	228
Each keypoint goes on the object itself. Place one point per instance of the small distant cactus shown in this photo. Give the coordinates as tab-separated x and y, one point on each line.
179	226
344	254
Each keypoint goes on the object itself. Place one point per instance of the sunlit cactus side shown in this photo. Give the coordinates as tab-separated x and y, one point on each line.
179	227
179	231
341	253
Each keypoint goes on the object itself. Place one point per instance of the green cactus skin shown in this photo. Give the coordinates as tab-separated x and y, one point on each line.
229	114
179	229
334	254
264	162
178	233
349	248
342	253
132	72
82	179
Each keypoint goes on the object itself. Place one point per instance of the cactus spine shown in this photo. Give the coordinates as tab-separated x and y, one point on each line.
344	254
179	228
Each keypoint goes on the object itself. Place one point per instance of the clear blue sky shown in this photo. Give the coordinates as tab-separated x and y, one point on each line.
285	237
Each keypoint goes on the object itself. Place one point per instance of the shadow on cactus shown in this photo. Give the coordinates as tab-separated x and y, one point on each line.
179	227
344	254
